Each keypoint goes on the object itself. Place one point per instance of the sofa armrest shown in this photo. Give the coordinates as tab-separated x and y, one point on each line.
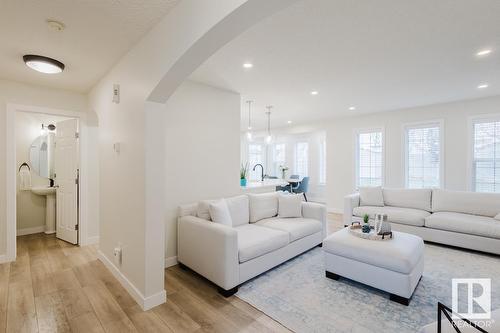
316	211
210	249
350	202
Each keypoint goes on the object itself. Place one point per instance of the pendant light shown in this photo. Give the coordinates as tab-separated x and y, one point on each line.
269	137
249	132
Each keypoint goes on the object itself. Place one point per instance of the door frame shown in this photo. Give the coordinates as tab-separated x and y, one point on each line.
11	170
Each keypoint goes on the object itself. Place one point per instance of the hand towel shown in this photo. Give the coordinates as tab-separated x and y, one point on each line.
24	179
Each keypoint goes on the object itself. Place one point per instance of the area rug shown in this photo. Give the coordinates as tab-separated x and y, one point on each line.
298	295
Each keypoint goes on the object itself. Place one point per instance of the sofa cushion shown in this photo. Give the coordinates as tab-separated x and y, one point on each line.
263	205
219	212
371	196
408	198
464	223
400	254
297	228
239	209
408	216
290	205
254	241
484	204
202	210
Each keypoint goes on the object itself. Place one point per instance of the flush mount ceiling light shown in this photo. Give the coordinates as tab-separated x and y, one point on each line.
483	52
314	92
289	122
247	65
482	86
352	108
43	64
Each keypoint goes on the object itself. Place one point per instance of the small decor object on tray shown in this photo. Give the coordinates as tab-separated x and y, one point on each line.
366	225
358	230
382	226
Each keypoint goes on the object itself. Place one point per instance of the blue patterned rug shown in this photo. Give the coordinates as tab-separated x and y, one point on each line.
298	295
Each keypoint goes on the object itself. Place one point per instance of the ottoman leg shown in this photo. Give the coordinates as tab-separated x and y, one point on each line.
331	275
227	293
400	299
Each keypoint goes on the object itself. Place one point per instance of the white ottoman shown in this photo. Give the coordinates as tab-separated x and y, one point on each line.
394	265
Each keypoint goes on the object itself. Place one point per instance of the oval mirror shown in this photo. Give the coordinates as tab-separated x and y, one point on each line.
42	155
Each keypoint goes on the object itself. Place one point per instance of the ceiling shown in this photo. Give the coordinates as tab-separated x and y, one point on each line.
97	34
374	55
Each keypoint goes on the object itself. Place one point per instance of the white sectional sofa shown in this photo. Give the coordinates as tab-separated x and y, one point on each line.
464	219
256	240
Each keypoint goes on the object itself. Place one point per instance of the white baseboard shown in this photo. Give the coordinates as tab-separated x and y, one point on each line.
145	303
92	240
335	210
29	231
171	261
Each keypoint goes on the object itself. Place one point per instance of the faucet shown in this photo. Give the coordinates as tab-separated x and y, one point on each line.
261	169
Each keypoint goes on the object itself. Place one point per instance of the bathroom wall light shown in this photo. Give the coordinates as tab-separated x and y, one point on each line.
43	64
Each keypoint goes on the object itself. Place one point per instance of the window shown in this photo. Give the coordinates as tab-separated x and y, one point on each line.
278	159
486	156
322	162
255	156
369	158
301	158
423	155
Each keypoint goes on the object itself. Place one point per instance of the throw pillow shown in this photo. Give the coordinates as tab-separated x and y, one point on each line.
371	196
497	217
239	209
220	212
263	206
290	205
202	209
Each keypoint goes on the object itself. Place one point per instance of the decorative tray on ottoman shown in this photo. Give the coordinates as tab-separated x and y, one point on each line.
355	229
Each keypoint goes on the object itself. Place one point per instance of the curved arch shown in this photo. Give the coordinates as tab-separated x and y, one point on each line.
232	25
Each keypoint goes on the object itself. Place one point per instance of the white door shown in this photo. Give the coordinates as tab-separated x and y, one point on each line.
66	169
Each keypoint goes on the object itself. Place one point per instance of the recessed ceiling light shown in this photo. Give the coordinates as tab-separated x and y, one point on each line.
482	86
247	65
483	52
352	108
314	92
289	122
43	64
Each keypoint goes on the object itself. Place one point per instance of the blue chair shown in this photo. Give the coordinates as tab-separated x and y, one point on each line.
287	188
303	187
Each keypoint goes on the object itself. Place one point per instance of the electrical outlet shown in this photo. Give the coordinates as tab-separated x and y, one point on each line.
118	255
116	93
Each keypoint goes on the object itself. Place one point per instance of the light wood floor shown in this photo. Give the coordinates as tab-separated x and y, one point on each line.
56	287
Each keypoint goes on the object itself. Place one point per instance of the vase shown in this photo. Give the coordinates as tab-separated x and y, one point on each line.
243	182
366	228
283	174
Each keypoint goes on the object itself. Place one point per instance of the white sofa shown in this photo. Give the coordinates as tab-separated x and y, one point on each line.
257	240
463	219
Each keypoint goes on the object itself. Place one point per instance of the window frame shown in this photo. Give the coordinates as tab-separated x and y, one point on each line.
484	118
322	162
273	160
263	155
295	154
419	125
357	133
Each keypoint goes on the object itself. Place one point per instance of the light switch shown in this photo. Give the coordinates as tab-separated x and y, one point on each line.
117	147
116	93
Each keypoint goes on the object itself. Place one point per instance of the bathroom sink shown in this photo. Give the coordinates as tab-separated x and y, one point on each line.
43	190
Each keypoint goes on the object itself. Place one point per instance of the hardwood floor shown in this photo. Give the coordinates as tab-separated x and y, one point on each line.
56	287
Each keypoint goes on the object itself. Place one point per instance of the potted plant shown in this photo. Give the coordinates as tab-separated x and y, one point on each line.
366	225
243	174
283	169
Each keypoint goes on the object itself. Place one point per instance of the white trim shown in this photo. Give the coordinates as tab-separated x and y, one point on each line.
171	261
11	171
357	132
30	231
92	240
145	303
425	124
470	144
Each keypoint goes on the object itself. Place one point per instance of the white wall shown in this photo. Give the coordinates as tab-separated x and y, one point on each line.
202	149
25	94
340	144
